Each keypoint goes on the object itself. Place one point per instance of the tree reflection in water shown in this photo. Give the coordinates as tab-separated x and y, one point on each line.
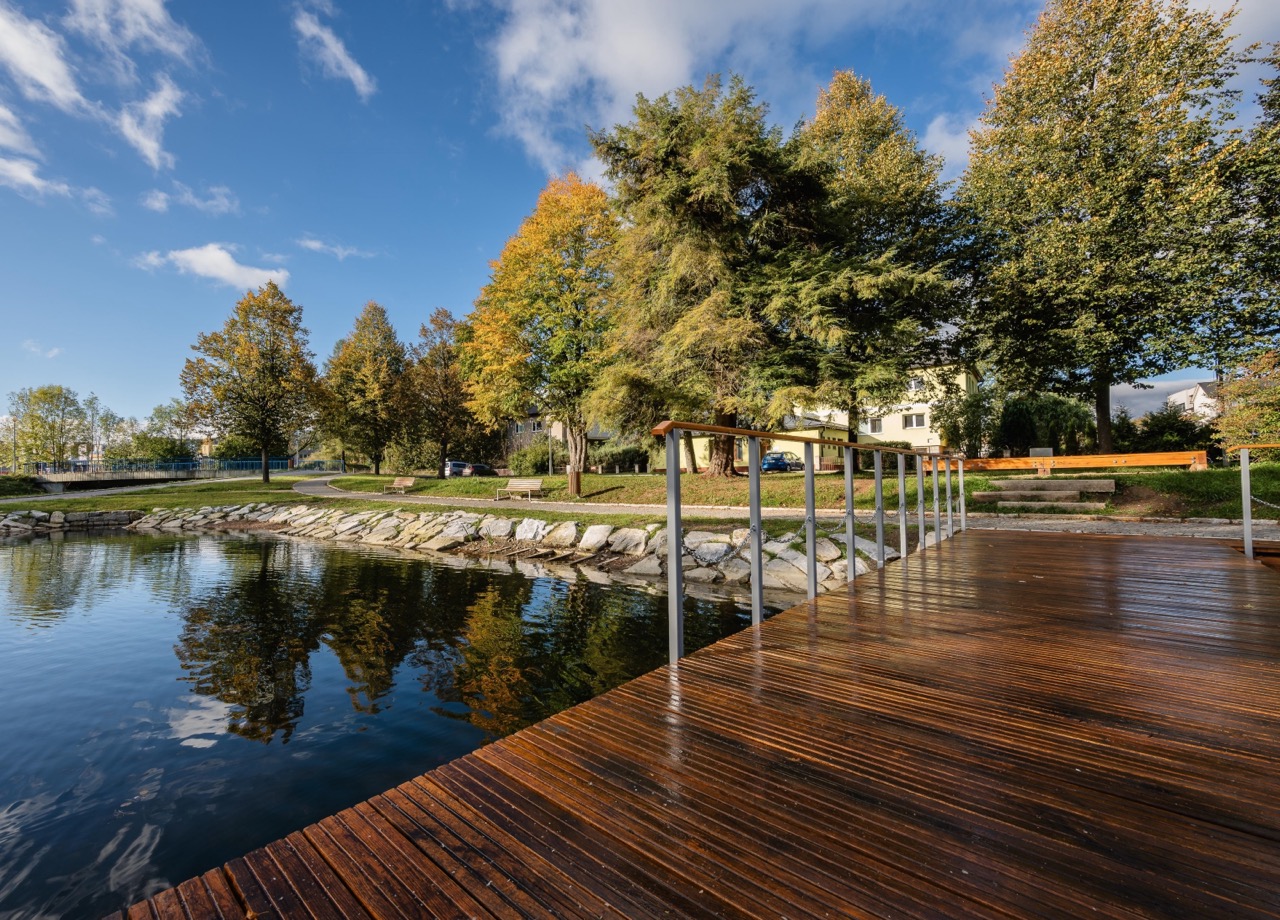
510	650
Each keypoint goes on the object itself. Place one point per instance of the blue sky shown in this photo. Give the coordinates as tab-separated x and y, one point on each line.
158	159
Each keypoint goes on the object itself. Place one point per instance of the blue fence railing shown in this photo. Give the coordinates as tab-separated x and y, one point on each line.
201	465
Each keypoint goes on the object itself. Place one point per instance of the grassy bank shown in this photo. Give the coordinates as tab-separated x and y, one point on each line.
18	485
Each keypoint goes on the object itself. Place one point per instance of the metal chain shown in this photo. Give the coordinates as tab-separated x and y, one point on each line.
1261	502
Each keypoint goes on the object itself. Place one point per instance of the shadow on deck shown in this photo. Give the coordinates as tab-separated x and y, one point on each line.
1016	725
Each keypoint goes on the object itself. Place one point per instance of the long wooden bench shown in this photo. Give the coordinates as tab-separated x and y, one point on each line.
530	488
1044	466
399	484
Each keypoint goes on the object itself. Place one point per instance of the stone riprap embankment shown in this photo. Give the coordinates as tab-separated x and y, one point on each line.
708	558
25	522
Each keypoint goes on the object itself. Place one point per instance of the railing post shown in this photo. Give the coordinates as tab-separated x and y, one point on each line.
850	553
902	505
920	498
675	552
1246	501
951	530
757	534
879	468
964	522
937	514
810	524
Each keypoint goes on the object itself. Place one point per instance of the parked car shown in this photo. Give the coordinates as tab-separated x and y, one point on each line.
455	468
780	461
479	469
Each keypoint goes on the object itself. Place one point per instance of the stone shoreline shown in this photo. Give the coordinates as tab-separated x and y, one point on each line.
709	558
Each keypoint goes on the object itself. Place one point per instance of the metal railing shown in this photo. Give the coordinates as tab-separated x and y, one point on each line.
671	431
200	465
1247	498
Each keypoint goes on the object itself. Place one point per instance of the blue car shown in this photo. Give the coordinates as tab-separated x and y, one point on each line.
780	461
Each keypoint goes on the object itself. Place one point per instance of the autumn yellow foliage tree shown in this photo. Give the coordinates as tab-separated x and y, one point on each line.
537	331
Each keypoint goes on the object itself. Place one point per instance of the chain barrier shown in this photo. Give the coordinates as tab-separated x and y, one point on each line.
1262	502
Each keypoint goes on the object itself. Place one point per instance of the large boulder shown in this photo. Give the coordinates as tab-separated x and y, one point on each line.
595	538
562	535
629	541
531	530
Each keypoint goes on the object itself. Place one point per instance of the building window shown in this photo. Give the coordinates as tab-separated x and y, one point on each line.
875	425
913	420
537	426
519	427
915	385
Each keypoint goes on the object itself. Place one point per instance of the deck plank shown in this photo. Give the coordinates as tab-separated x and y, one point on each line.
1009	725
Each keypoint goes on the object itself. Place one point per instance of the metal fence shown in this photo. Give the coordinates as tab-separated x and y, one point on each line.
924	463
204	465
1247	498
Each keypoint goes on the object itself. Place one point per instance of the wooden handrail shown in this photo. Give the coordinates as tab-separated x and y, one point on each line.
663	428
1252	447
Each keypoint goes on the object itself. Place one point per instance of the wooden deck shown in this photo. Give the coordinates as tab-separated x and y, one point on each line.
1016	725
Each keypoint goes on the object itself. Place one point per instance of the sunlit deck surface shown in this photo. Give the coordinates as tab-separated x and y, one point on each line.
1014	725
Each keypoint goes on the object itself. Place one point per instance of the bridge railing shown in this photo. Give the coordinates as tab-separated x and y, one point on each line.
1247	498
197	465
925	462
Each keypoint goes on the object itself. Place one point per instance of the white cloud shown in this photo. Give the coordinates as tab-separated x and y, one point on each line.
218	200
333	249
23	175
35	57
142	123
156	200
117	26
37	349
13	136
214	261
97	201
318	42
563	63
948	135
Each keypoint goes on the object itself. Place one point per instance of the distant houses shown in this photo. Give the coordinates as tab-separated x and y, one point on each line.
1199	399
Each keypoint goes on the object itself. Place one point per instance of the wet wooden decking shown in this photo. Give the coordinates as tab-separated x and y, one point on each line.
1016	725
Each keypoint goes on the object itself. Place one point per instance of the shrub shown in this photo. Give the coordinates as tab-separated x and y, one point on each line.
529	461
624	456
19	485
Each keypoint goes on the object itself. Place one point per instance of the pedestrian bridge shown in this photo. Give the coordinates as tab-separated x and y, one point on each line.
61	477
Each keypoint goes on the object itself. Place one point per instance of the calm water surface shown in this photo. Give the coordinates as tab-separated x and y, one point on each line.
172	702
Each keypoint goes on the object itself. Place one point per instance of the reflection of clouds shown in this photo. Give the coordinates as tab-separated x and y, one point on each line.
17	860
132	871
203	717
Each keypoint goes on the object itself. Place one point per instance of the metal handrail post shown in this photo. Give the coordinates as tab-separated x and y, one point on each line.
937	514
757	534
675	552
879	467
850	552
951	529
920	499
810	524
1246	500
964	521
902	505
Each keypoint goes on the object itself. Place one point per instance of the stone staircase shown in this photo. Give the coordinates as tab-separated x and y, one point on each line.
1039	494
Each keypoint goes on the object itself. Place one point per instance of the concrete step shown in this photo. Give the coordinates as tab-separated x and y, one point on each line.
1042	495
1055	485
1084	507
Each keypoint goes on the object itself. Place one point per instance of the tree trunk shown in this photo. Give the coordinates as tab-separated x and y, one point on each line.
266	465
690	456
853	435
444	455
721	462
377	464
576	439
1102	409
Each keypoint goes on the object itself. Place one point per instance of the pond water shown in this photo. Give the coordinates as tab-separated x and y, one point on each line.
172	702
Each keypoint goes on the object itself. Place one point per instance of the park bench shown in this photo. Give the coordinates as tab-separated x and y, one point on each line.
399	484
530	488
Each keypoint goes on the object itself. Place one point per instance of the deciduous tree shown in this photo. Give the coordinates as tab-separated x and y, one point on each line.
361	381
254	378
50	423
435	393
538	328
1250	401
1097	175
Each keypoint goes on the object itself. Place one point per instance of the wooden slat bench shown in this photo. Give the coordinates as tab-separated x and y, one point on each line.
530	488
399	484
